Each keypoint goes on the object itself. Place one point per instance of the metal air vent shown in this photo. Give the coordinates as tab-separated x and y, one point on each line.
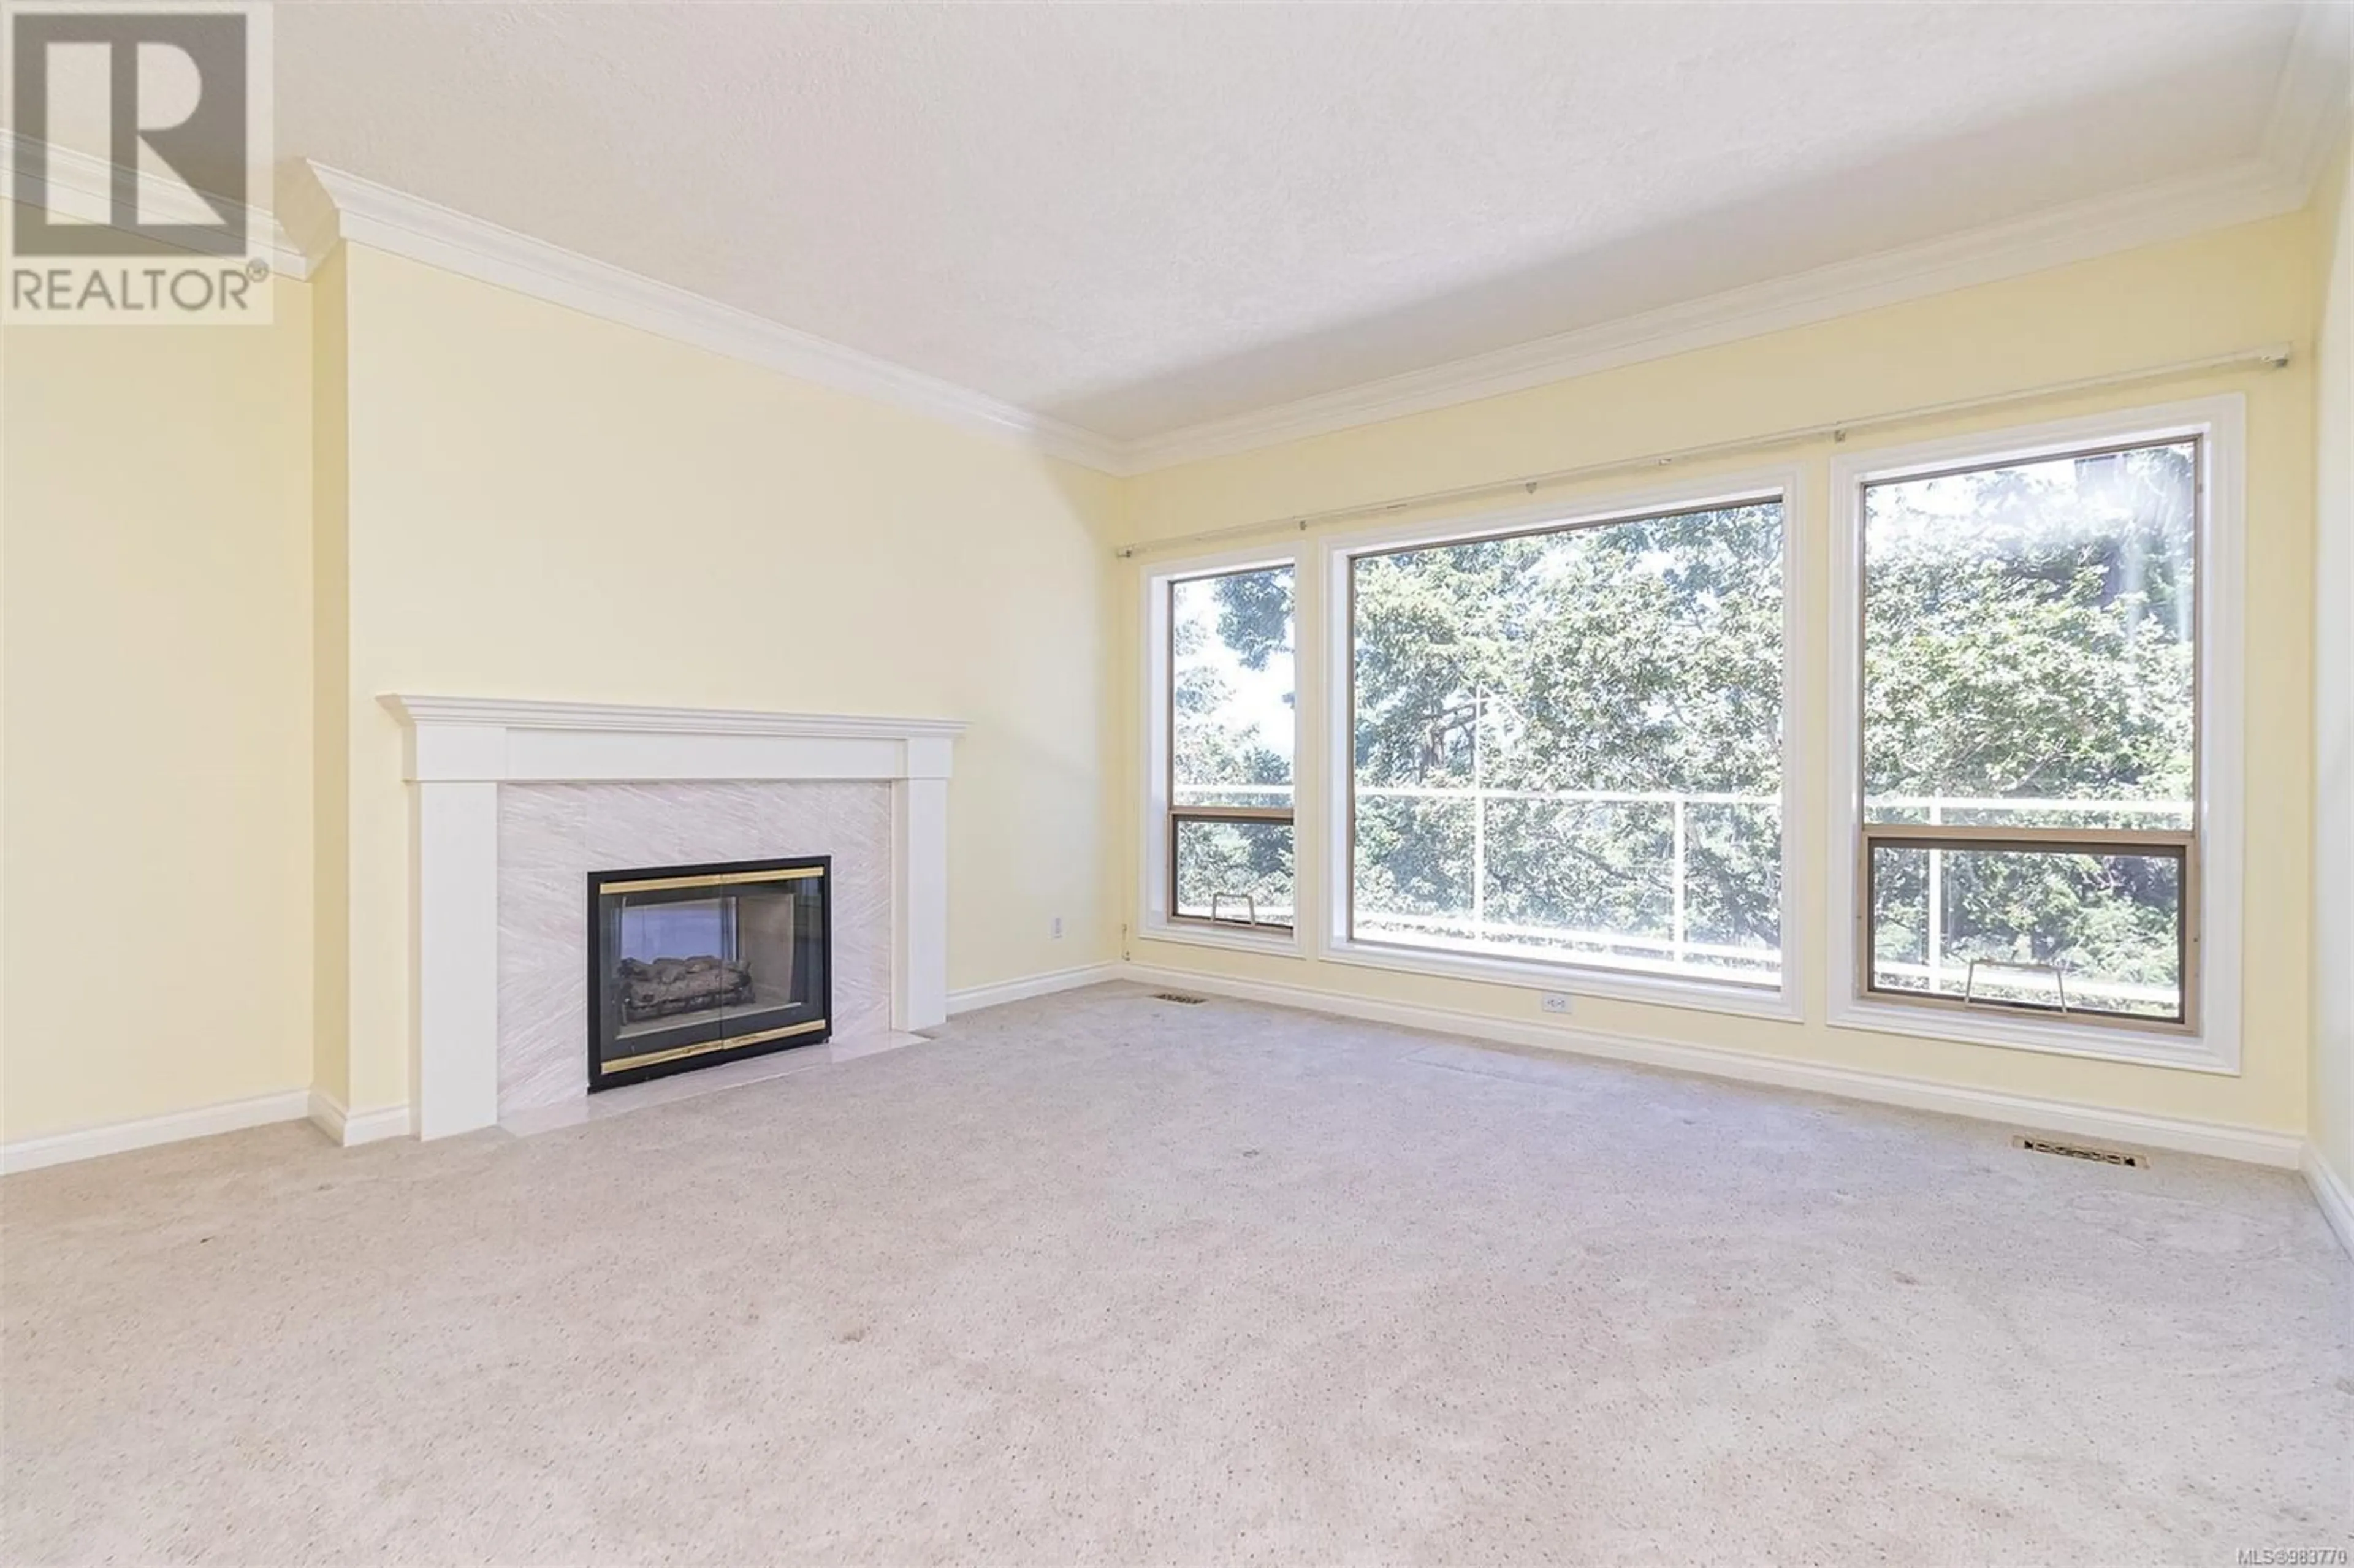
2081	1151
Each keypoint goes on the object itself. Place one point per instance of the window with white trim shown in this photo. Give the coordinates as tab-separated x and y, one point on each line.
1567	744
1228	830
2029	841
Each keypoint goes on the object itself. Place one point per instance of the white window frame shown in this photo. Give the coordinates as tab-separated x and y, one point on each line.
1155	897
1334	943
2214	1045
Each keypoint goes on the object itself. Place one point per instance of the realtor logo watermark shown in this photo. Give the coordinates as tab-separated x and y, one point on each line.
141	151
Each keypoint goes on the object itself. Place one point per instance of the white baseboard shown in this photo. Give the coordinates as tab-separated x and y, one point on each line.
117	1137
980	996
2329	1191
2255	1146
350	1128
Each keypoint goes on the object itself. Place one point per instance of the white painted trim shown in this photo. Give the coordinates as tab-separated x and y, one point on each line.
117	1137
1573	980
458	740
351	1128
508	713
323	206
358	211
1337	551
2310	105
2097	1042
1271	943
2221	759
2331	1191
2172	210
920	903
972	998
454	948
2221	1140
81	188
326	1113
458	751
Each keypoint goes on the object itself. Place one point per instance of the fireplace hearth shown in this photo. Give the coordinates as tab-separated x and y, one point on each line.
690	966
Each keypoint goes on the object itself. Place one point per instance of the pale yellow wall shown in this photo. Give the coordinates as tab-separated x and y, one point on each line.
224	581
158	627
330	688
2332	1110
542	504
2207	296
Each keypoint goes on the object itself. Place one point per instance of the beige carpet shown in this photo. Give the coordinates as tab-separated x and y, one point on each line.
1101	1278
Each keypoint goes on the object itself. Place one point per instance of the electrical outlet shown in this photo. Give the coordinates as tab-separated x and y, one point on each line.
1057	929
1553	1000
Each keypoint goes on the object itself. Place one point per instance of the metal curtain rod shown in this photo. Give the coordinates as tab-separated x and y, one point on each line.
2271	356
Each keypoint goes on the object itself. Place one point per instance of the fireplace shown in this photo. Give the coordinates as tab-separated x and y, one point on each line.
694	965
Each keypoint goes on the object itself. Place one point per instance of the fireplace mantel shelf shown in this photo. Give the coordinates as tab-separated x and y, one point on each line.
458	752
502	741
509	712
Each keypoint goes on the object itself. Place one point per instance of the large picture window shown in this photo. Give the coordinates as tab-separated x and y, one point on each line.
1230	743
1568	745
2029	838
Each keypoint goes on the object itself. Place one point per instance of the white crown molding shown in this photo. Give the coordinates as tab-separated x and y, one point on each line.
2310	109
323	206
305	212
318	207
362	212
511	713
2242	193
81	188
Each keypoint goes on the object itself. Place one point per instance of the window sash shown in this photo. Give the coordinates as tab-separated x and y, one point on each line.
2181	845
1177	816
1174	816
1779	496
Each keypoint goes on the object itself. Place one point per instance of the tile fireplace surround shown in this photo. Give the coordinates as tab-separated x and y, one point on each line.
515	801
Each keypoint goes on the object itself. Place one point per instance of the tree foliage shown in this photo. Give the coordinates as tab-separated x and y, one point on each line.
1221	628
2029	636
1639	658
1617	689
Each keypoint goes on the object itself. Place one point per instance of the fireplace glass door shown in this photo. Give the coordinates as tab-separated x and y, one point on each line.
692	965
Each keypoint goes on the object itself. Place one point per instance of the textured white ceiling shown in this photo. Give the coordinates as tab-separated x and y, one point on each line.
1138	218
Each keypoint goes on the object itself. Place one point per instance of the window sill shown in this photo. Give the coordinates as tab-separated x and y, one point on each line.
1239	939
1577	980
2102	1042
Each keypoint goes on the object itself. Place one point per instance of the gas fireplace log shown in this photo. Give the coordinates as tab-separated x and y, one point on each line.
668	986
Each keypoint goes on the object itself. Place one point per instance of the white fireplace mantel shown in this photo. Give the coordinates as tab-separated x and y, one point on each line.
458	750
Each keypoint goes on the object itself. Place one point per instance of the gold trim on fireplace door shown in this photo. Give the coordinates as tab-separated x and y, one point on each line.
676	1052
718	879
